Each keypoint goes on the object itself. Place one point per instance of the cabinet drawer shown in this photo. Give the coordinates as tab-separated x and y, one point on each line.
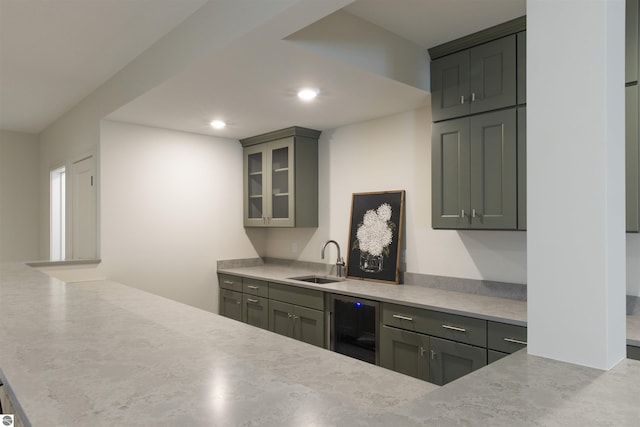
255	287
444	325
506	338
295	295
233	283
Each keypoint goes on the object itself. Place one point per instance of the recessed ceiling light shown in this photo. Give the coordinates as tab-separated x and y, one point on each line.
307	94
217	124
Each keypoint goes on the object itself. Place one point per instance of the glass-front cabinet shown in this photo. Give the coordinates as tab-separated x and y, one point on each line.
281	179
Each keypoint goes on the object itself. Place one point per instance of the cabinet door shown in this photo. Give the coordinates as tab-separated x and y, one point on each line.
521	65
405	352
450	86
632	56
450	174
493	170
632	156
308	325
522	168
492	75
255	186
450	360
255	311
281	318
281	183
231	304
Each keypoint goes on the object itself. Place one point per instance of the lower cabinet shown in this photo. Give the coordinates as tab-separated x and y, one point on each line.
294	321
255	311
231	304
450	360
633	352
405	352
504	339
432	359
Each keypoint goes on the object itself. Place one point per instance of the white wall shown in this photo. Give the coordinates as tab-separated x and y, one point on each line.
394	153
171	207
19	202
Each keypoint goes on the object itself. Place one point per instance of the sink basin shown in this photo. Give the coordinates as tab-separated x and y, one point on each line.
317	279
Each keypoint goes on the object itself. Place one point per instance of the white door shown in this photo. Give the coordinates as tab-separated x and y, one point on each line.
84	210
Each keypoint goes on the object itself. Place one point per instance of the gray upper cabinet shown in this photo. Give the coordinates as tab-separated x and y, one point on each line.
632	157
522	168
479	79
632	48
474	172
521	40
281	179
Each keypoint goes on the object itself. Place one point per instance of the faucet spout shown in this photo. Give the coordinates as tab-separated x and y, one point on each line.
339	262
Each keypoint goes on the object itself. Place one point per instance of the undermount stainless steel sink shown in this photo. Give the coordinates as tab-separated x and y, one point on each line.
317	279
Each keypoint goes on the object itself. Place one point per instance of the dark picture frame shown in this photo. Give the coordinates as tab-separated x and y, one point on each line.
375	232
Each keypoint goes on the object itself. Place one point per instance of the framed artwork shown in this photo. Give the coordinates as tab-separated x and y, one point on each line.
374	236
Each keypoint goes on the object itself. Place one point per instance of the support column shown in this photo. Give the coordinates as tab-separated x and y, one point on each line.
576	185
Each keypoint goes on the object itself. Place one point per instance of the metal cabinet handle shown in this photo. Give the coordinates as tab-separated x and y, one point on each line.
515	341
289	315
251	300
454	328
238	302
401	317
422	351
255	288
462	213
462	100
474	214
473	97
433	355
228	282
296	317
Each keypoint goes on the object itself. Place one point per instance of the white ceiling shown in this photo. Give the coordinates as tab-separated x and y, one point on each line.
55	52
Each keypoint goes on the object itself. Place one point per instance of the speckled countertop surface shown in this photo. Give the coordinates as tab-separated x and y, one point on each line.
102	354
483	307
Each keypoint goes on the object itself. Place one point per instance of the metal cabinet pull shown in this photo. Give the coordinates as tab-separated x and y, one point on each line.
433	355
454	328
422	351
462	100
401	317
289	315
251	300
473	97
255	288
515	341
228	282
462	213
296	317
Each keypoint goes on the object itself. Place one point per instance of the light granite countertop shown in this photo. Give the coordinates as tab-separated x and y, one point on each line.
101	353
504	310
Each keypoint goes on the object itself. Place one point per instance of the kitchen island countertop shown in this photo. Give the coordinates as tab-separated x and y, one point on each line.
101	353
